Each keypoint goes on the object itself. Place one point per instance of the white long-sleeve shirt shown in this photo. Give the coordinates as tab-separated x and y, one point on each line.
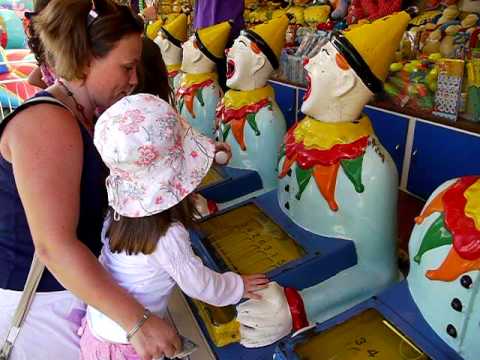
151	278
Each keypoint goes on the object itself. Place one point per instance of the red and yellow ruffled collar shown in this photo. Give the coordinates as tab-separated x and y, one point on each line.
319	149
195	80
235	99
458	224
173	69
320	135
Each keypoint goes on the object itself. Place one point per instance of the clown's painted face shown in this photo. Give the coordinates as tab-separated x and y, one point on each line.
323	75
171	53
192	56
244	59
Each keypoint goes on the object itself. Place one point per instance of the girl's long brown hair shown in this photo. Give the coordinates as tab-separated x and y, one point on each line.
141	235
153	74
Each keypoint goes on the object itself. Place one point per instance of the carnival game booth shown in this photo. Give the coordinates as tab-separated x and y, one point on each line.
328	233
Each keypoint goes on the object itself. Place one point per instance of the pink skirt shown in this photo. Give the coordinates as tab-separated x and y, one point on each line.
92	348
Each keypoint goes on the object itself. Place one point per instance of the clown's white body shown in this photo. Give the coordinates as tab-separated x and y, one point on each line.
434	297
367	218
175	81
337	96
261	154
197	65
203	117
172	56
247	75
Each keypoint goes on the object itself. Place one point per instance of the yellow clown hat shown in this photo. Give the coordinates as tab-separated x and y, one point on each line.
154	28
370	48
176	30
212	40
270	38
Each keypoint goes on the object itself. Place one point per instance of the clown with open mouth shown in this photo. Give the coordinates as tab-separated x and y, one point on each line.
170	39
336	180
249	119
199	92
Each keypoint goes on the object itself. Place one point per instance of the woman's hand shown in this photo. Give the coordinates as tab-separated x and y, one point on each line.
223	153
252	284
155	339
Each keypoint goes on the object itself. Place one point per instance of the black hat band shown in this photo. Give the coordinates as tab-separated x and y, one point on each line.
356	61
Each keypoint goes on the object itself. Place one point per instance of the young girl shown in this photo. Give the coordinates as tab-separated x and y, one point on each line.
155	160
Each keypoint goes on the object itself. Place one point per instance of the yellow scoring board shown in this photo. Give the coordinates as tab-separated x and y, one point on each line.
249	242
365	336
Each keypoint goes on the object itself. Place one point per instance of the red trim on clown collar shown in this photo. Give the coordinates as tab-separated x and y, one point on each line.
228	114
466	237
192	88
173	73
307	158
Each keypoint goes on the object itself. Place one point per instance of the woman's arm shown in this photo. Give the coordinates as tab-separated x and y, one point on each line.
47	162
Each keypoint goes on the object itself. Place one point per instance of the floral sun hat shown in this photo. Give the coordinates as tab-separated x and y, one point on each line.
155	158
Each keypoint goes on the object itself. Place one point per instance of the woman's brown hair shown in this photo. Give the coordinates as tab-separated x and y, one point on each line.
71	37
141	235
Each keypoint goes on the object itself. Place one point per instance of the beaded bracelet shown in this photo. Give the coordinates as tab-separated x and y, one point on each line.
146	315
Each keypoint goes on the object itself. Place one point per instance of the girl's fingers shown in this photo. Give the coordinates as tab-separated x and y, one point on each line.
252	295
256	276
261	280
252	287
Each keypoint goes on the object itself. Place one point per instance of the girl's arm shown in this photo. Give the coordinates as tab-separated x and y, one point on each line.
175	255
47	161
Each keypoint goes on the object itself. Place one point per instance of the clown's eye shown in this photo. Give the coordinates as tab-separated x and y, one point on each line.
325	51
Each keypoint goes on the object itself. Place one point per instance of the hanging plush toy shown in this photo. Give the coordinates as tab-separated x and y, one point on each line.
340	7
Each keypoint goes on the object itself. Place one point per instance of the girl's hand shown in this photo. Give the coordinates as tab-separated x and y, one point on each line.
156	338
223	153
253	283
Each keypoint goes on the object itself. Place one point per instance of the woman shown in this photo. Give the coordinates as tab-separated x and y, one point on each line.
52	181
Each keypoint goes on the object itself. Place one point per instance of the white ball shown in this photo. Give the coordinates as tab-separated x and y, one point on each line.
221	158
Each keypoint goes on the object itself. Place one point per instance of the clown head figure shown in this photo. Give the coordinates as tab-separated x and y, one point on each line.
198	91
248	67
254	55
335	92
349	69
335	177
205	48
249	118
170	39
